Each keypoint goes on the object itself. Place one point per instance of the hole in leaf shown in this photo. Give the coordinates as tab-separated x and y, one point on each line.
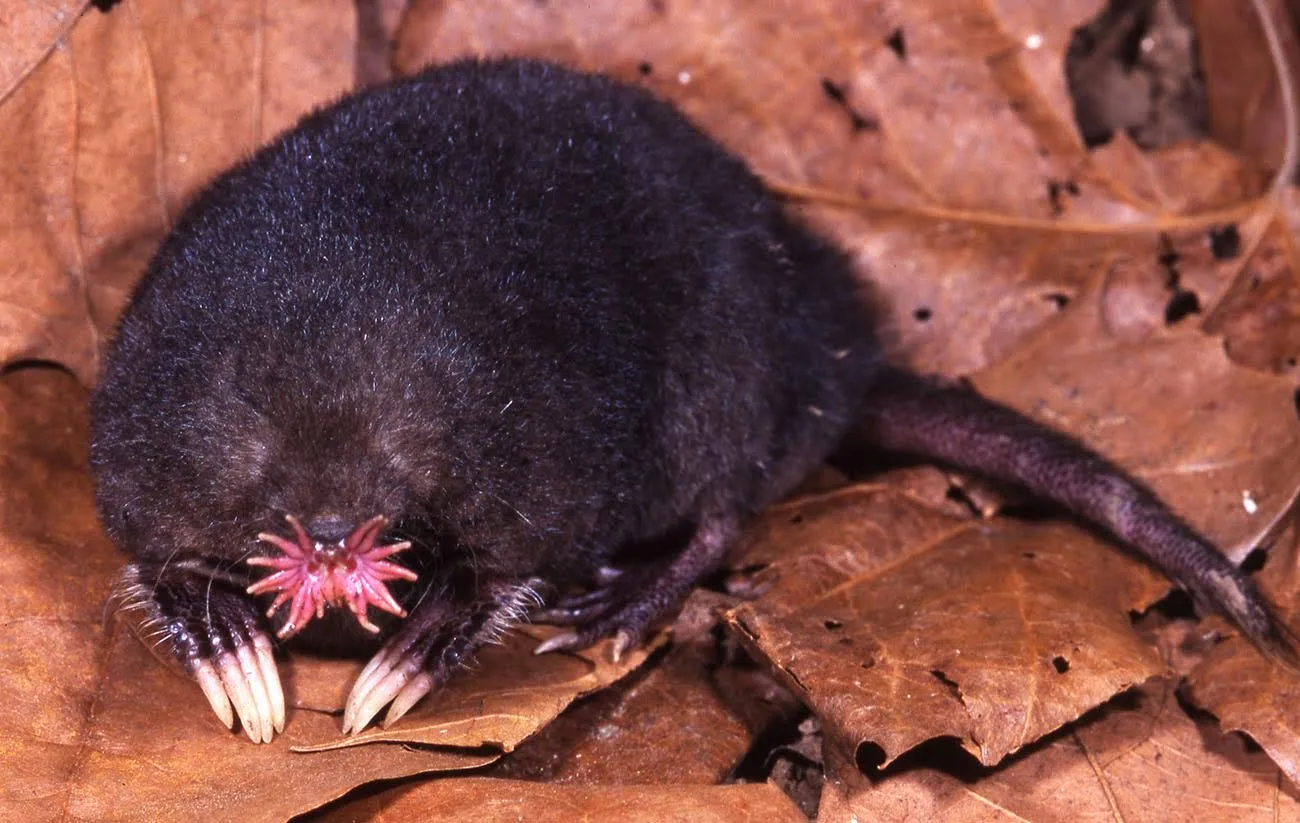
796	520
947	682
923	314
833	625
1225	242
1057	299
1060	664
835	93
1181	305
1056	190
897	44
645	69
1029	555
1177	605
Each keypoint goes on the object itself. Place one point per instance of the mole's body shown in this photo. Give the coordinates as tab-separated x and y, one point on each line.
542	327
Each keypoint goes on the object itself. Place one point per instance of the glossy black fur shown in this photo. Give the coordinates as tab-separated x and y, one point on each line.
535	318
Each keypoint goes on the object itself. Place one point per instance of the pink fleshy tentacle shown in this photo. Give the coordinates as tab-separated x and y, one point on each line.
292	551
391	571
300	612
377	595
275	582
378	554
362	539
309	580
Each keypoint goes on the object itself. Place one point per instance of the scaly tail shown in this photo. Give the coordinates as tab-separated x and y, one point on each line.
924	417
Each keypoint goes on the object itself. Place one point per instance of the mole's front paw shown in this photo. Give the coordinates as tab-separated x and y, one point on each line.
439	637
213	628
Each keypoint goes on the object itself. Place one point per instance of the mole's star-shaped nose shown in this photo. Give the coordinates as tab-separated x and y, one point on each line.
311	575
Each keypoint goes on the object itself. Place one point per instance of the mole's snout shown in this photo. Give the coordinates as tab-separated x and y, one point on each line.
329	529
330	565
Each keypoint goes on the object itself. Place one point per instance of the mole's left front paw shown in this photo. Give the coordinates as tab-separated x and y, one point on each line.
439	637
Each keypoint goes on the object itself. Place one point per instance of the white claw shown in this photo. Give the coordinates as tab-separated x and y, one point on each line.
361	688
210	683
270	676
564	640
252	672
240	695
607	574
623	641
365	703
411	694
372	670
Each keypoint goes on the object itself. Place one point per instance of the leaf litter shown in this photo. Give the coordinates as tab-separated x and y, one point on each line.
1140	299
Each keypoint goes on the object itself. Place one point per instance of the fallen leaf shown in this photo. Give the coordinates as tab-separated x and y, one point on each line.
115	128
30	31
509	696
898	624
485	800
1244	95
1245	690
1139	758
668	724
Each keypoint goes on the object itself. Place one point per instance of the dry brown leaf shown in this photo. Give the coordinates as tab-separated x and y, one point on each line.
1259	312
1245	101
666	725
511	695
897	623
151	750
113	131
1141	758
1246	691
485	800
30	31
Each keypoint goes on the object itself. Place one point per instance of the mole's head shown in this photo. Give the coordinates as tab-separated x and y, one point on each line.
320	501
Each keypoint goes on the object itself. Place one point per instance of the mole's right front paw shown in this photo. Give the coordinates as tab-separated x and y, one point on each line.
207	622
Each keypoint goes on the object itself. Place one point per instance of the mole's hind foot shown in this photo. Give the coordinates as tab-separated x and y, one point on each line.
199	616
624	609
624	606
441	635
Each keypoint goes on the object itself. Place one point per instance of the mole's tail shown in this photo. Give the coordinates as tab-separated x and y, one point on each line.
920	416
